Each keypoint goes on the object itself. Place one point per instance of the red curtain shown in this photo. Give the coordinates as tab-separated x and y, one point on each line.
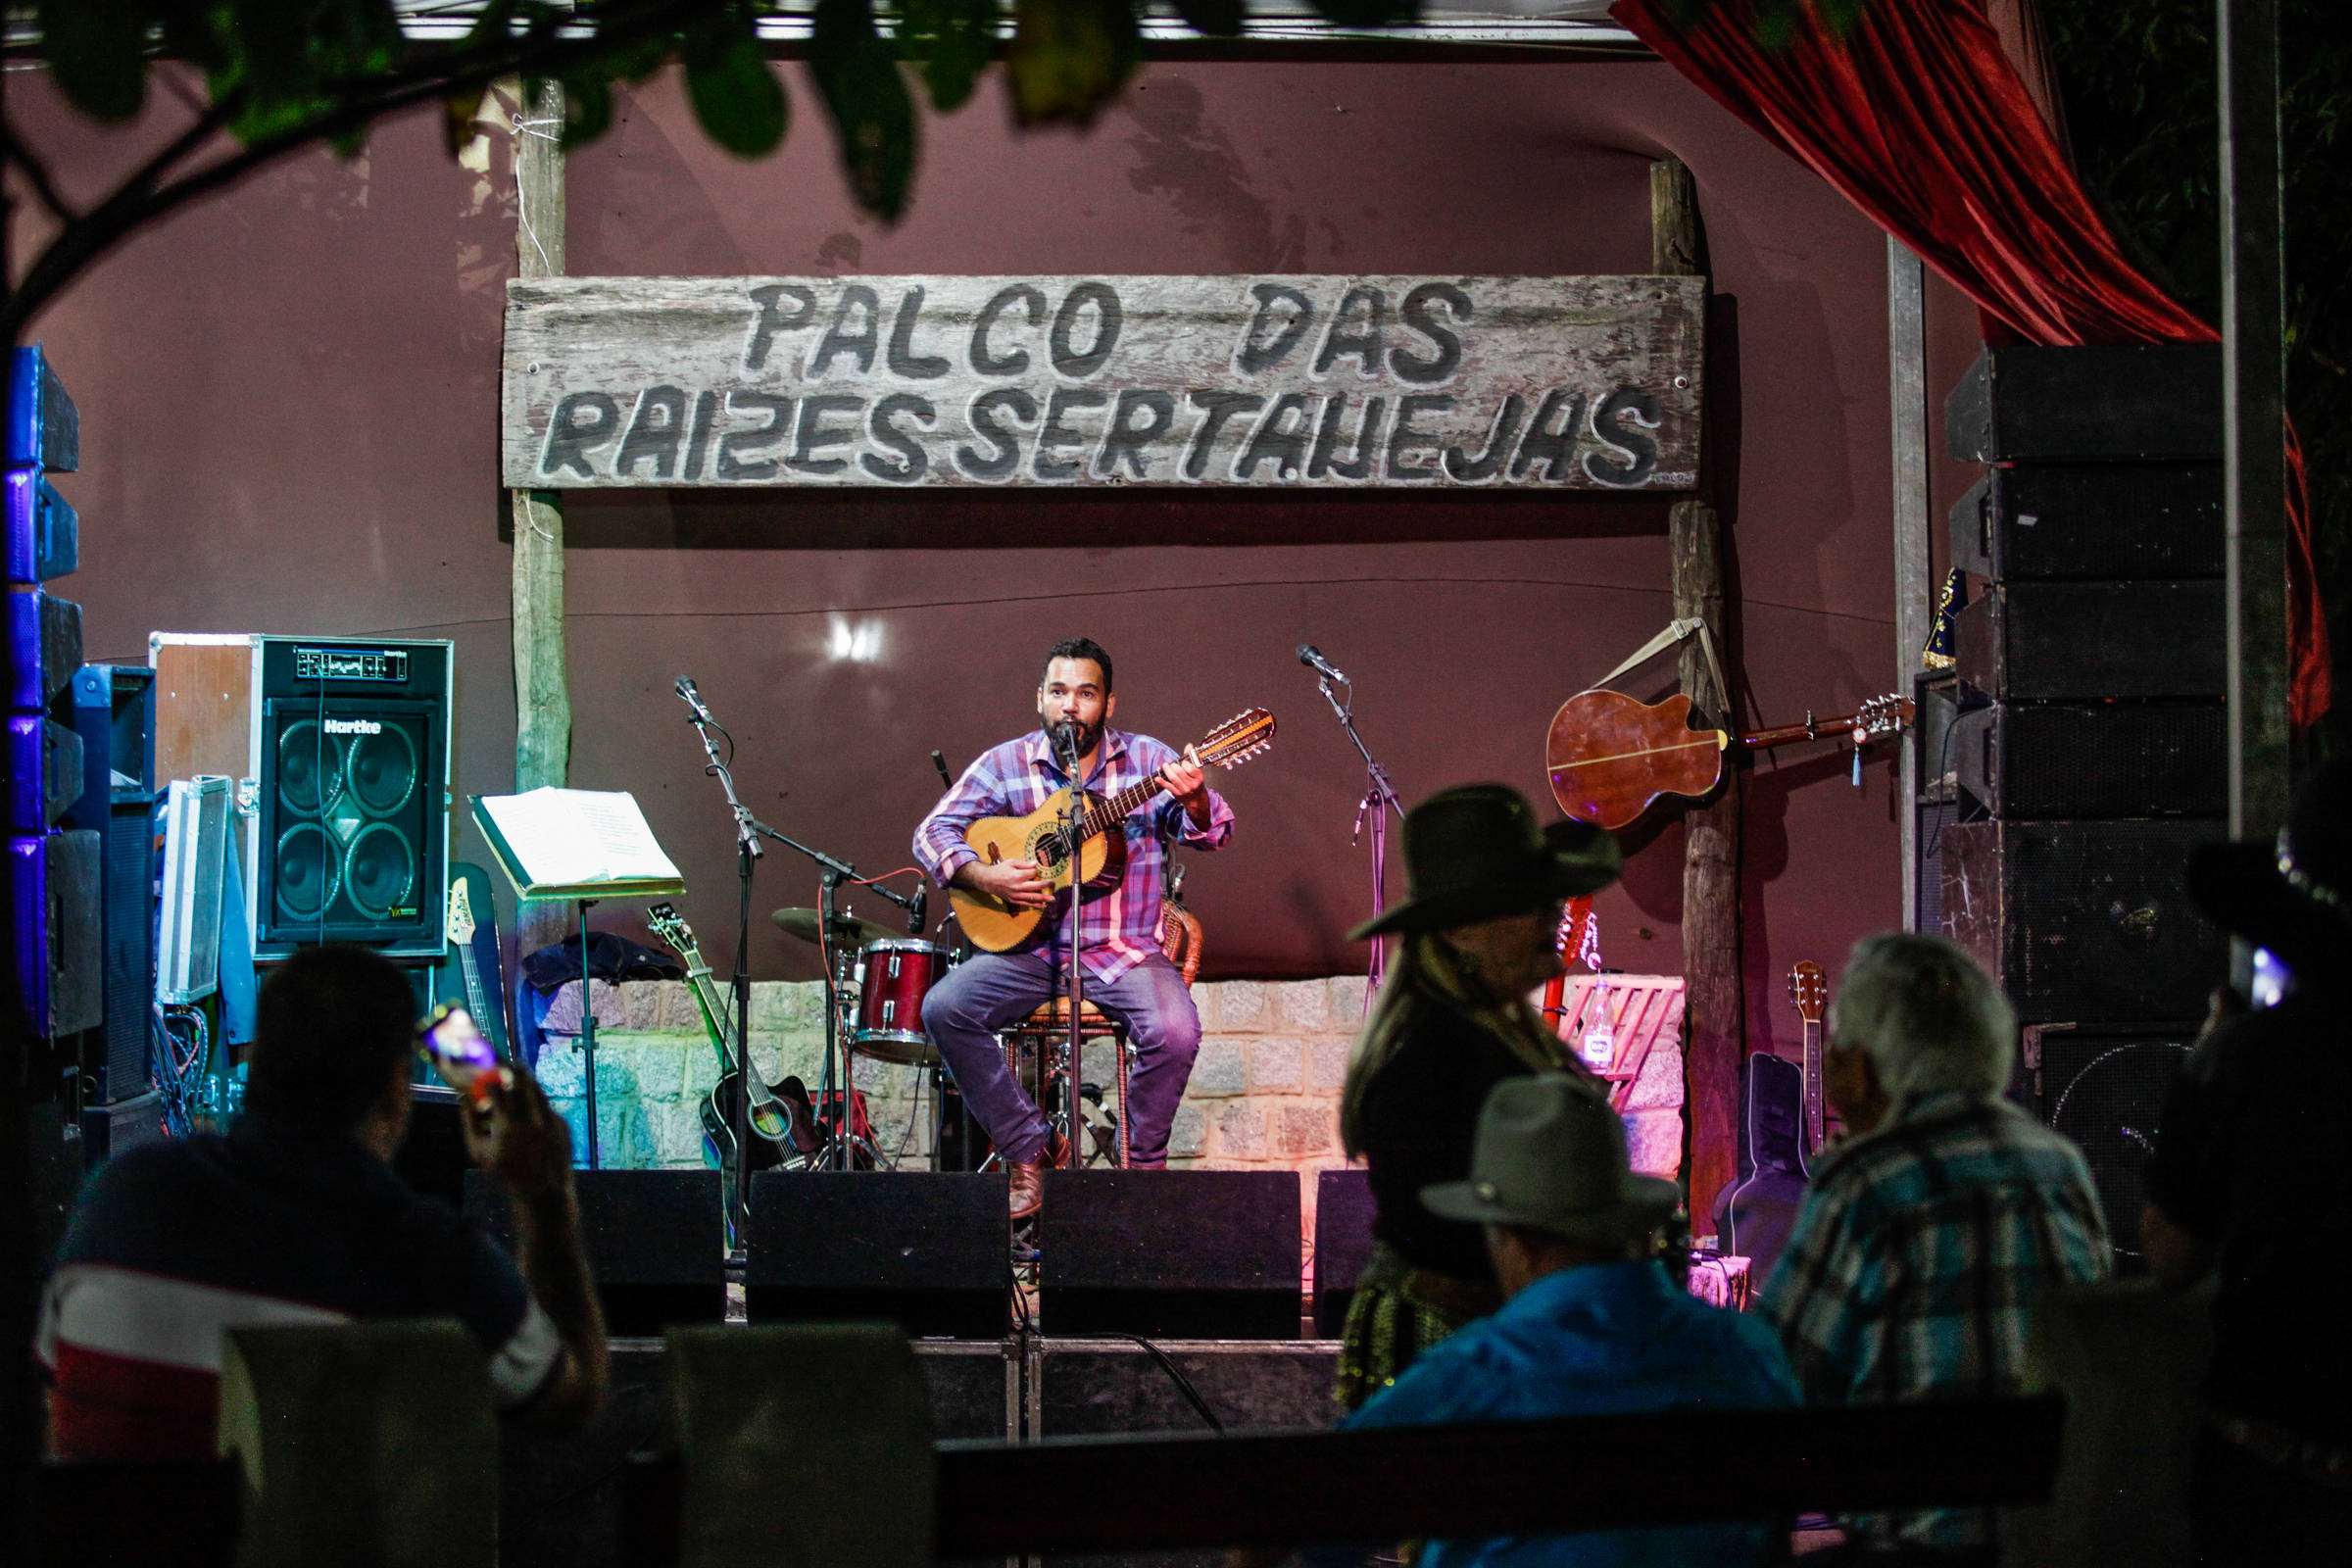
1917	116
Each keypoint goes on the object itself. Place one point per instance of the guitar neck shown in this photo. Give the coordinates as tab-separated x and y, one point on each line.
1114	810
705	996
1815	1120
1812	729
477	1000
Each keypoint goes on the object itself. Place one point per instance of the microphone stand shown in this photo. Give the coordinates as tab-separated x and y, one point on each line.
748	850
1380	799
1075	984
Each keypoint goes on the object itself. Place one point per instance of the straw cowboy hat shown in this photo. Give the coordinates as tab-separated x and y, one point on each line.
1550	1156
1475	852
2291	893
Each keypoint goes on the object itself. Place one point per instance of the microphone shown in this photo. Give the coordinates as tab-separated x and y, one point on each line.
1312	658
938	759
914	912
694	700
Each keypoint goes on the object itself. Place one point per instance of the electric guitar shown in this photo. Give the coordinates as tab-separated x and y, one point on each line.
777	1132
1100	856
1809	991
469	974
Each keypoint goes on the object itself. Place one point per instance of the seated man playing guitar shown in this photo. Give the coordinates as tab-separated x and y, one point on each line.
1126	974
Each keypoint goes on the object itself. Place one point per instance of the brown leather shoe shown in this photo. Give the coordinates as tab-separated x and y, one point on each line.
1029	1176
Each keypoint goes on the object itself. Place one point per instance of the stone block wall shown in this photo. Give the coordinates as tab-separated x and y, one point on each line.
1265	1093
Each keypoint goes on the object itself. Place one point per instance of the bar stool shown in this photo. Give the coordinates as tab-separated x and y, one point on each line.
1037	1048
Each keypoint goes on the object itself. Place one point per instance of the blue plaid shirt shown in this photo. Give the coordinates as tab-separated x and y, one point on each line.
1913	1269
1119	929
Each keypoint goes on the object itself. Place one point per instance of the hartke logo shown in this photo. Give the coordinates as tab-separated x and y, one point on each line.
353	726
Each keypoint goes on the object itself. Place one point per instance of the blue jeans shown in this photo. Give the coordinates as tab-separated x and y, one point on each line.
991	990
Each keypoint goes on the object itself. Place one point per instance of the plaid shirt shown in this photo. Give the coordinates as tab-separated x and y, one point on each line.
1913	1269
1119	929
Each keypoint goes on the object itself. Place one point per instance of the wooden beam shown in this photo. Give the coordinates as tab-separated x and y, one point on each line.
542	689
1714	1006
2253	339
1914	559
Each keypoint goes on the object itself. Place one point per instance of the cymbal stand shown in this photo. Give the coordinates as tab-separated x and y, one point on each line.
1380	799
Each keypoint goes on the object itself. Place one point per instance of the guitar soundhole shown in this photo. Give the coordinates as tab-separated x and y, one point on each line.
1050	855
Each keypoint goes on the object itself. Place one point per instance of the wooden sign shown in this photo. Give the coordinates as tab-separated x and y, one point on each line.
1325	382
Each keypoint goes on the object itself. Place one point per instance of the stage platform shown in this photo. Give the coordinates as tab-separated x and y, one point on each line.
560	1498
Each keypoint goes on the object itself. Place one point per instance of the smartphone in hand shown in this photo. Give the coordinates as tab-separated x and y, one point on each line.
458	1051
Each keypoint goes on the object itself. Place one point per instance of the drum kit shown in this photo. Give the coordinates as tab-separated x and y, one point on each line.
882	976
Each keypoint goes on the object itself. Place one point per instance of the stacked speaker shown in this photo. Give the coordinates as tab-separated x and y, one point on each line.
52	867
2086	750
341	752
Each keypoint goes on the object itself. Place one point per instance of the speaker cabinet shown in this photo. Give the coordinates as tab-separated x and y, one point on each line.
1344	1210
2093	759
44	648
120	1068
2056	641
2104	1086
930	1252
114	713
2085	920
45	771
654	1239
53	888
1099	1388
343	747
44	532
1198	1254
2148	402
2103	520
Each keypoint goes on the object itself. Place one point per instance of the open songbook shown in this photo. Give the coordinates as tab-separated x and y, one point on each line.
575	844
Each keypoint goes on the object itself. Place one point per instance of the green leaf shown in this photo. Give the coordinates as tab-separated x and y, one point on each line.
587	107
872	113
1214	19
736	94
97	52
1069	58
952	39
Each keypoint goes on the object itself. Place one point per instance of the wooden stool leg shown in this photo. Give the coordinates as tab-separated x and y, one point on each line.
1126	1065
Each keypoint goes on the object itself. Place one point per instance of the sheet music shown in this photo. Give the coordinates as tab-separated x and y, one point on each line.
570	837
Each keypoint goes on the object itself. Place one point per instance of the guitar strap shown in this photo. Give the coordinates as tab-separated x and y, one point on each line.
1676	631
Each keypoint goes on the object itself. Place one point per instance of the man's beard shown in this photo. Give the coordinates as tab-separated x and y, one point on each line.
1062	730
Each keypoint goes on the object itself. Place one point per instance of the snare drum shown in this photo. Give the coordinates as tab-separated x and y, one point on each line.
893	977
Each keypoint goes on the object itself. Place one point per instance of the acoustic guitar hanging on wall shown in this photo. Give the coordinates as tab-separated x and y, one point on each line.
1609	756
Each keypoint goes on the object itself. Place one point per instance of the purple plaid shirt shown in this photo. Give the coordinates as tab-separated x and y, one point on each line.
1118	929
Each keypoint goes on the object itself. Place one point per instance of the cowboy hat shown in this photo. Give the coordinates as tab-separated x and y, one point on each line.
1474	853
2291	893
1550	1154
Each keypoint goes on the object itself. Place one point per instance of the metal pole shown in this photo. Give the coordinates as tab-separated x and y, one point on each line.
1914	560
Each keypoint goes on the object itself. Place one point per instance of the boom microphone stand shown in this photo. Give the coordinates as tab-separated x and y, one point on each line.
747	856
1380	799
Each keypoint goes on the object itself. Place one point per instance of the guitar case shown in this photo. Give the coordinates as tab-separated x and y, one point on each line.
1756	1213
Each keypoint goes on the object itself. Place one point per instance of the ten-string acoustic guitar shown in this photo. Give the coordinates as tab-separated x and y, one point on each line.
1041	836
1609	756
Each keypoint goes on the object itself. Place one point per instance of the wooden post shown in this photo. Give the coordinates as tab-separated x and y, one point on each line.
1714	1008
1914	590
542	691
2254	428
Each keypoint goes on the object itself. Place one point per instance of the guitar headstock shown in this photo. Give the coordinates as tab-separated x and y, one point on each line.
1238	739
1809	991
670	927
460	914
1884	716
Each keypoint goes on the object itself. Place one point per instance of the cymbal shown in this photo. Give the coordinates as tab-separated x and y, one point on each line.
848	929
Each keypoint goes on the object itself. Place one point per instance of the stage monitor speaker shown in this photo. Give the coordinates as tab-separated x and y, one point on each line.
1344	1210
2085	920
54	922
928	1251
1195	1254
2093	759
656	1242
44	532
2150	403
2104	1086
346	745
44	648
1105	1388
2060	641
2103	520
43	425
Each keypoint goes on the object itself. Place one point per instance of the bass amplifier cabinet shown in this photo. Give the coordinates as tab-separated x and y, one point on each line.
655	1240
2055	641
2085	920
341	750
2149	403
1196	1254
2104	1086
2093	759
928	1251
2091	520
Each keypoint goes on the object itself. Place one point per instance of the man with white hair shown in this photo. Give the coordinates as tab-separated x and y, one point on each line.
1914	1265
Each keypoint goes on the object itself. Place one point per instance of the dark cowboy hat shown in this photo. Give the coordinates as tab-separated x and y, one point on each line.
1474	853
2291	893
